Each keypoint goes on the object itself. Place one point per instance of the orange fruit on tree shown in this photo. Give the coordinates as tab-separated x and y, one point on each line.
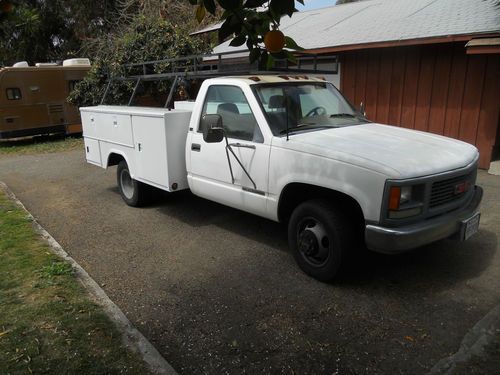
274	41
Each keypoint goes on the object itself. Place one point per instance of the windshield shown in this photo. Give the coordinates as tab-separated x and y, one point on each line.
305	106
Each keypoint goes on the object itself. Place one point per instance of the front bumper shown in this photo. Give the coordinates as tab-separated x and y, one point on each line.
400	239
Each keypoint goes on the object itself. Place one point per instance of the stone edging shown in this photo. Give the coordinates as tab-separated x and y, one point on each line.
473	344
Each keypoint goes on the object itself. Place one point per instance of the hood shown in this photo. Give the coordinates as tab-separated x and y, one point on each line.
395	152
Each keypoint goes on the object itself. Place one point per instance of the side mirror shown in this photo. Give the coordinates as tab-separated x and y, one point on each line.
362	109
211	126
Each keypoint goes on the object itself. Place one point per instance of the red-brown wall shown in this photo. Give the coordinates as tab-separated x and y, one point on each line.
435	88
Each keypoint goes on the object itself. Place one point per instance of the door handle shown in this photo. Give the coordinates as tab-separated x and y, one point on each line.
196	147
242	145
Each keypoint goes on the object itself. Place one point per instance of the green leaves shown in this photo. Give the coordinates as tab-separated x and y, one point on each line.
210	6
269	62
238	41
255	3
291	44
282	7
230	4
231	25
200	13
203	7
43	31
255	55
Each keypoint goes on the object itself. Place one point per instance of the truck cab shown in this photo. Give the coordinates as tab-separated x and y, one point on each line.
292	142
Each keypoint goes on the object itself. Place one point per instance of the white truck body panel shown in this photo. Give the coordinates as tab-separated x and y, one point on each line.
397	152
185	105
151	140
351	159
288	166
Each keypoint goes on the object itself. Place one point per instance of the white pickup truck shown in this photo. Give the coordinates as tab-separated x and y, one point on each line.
292	149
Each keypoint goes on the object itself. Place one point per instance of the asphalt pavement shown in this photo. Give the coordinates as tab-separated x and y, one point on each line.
216	290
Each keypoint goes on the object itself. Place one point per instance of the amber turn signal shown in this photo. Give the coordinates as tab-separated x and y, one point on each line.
394	198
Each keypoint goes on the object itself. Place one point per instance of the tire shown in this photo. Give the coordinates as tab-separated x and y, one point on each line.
132	191
319	236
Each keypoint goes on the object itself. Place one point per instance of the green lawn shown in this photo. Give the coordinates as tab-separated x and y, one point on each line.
48	325
40	144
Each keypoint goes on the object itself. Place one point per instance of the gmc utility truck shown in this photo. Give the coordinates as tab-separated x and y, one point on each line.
292	149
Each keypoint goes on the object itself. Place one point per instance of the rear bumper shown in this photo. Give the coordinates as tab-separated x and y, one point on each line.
400	239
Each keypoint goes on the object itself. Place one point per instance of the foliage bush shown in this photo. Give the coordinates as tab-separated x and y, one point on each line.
50	31
143	39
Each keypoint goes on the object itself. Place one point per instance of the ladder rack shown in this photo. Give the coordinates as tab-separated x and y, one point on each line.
214	65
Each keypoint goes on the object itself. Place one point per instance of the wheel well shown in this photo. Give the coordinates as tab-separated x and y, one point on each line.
296	193
114	159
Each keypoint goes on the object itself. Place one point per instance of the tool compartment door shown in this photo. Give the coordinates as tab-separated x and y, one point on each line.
150	150
92	151
108	126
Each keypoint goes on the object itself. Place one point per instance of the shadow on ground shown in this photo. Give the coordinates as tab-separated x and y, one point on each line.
442	263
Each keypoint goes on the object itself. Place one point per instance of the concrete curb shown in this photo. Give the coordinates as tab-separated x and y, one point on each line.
473	343
131	337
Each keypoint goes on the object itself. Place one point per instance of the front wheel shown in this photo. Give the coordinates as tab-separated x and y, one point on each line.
132	191
319	235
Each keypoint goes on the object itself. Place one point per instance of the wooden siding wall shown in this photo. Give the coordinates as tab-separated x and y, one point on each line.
435	88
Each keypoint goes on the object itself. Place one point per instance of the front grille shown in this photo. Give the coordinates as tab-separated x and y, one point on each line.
445	191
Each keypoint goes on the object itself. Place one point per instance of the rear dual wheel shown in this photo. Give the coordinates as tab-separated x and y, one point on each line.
319	236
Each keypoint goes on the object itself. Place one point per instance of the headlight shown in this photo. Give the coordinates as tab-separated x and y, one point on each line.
405	194
405	201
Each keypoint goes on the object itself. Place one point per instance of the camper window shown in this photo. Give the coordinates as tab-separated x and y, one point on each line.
14	94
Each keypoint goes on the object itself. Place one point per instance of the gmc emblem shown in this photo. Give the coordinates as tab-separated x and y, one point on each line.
462	187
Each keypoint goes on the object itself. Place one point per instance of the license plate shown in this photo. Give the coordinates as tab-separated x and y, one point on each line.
470	226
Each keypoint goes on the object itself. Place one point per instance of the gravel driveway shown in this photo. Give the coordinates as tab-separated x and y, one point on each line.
216	290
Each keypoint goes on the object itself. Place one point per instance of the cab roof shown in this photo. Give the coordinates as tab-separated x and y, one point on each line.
275	78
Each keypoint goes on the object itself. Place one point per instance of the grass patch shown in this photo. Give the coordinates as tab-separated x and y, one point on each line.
56	269
48	325
40	144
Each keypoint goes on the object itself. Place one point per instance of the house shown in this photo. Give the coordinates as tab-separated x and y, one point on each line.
431	65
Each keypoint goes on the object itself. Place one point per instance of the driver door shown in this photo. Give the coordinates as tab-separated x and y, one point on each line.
212	163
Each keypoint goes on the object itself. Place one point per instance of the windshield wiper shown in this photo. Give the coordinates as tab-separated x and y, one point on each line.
305	127
342	115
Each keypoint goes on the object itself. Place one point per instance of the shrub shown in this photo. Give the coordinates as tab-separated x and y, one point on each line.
143	39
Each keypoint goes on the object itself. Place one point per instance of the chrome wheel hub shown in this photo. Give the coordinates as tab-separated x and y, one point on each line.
313	242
